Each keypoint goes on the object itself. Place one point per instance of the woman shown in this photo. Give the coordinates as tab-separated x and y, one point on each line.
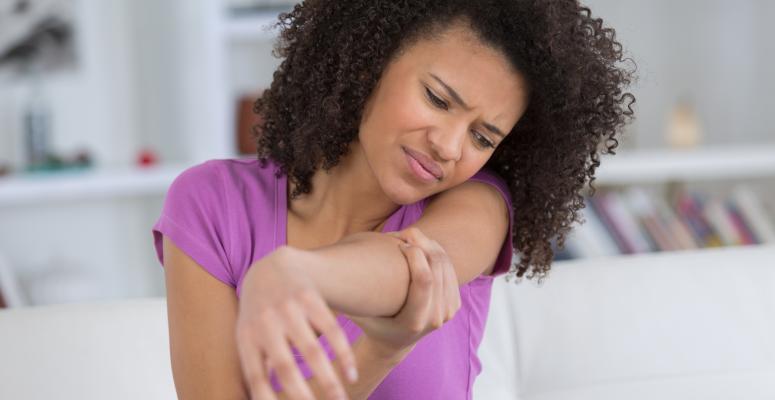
464	128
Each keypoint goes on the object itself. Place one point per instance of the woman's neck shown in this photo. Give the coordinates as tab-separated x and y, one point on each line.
343	200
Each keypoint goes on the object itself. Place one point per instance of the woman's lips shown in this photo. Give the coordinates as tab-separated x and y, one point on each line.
429	166
426	162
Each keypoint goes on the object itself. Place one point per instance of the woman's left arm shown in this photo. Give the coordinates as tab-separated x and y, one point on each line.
365	274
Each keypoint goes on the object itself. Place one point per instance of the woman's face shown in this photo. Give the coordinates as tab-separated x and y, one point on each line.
443	98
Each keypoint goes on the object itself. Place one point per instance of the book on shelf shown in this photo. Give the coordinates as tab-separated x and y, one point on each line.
634	221
589	239
754	214
746	234
690	207
720	220
623	223
661	238
676	227
606	222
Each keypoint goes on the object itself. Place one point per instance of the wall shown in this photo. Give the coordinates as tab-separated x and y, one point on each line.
101	248
718	53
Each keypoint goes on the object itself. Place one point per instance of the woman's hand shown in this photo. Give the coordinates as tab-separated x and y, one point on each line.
433	297
279	307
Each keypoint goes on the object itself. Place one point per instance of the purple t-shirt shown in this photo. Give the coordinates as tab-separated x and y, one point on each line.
227	214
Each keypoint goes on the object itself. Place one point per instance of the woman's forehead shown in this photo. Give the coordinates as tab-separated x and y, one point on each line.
480	74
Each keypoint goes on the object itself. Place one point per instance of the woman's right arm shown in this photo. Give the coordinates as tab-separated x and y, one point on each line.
433	299
202	315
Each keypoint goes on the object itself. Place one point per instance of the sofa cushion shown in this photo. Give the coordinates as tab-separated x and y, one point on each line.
660	323
110	350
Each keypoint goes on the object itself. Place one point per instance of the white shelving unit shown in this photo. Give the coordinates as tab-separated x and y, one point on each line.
86	185
625	168
648	181
222	56
182	66
211	36
702	164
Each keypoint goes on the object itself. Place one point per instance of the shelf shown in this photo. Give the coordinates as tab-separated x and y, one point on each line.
86	185
656	255
703	164
252	26
626	167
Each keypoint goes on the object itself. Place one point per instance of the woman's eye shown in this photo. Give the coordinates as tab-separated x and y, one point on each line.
482	140
435	100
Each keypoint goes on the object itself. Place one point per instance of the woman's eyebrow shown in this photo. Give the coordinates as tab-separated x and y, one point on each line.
455	96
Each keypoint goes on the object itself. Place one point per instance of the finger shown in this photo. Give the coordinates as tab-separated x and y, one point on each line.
301	335
280	357
433	250
396	234
253	371
438	260
415	236
404	235
439	309
420	294
323	320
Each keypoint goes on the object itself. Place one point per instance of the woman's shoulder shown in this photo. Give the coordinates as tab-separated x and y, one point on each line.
213	206
241	167
229	174
226	186
488	175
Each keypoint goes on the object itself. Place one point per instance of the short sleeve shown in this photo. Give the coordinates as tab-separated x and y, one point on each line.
504	260
194	218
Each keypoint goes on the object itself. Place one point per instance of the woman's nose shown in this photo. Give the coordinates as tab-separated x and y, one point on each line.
448	141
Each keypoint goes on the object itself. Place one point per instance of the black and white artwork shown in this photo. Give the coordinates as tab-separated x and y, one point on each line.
36	34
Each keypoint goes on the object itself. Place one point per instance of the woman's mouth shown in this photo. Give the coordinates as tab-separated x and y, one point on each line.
418	169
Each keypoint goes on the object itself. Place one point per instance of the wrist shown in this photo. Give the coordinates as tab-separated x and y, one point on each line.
280	261
286	258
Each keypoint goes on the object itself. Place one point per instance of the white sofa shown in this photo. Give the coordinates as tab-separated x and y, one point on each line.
686	325
89	351
689	325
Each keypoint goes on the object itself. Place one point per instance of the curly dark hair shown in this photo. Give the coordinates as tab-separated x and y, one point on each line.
335	51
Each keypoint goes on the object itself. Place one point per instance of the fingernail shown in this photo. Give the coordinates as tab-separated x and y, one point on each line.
352	374
403	246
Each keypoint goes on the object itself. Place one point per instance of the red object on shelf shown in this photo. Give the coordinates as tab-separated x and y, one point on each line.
147	158
246	121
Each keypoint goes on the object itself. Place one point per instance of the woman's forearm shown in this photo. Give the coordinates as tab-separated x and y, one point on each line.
364	274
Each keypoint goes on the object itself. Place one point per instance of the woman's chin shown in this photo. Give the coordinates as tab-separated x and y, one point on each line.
403	193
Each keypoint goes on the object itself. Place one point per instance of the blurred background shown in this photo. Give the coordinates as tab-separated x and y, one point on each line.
104	102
